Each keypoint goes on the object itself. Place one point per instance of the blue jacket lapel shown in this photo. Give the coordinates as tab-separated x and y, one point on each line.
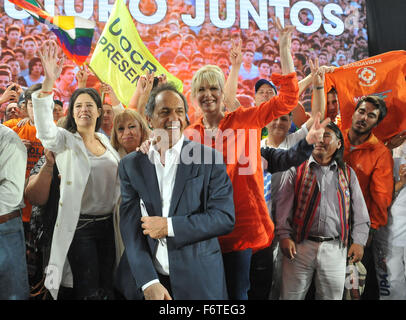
152	187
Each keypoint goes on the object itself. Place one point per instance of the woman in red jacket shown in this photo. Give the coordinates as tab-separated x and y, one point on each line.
237	135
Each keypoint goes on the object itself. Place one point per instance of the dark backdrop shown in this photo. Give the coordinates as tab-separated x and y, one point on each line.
386	24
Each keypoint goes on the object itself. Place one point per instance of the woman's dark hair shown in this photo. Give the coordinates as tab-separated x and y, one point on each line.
70	123
338	156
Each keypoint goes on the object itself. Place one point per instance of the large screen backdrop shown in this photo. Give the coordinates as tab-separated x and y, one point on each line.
185	35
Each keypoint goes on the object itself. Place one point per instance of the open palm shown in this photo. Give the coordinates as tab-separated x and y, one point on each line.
51	63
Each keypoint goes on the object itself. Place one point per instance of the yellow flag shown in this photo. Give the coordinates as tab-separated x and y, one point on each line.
120	56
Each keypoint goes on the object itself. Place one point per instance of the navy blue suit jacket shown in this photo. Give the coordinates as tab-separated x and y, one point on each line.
282	160
201	209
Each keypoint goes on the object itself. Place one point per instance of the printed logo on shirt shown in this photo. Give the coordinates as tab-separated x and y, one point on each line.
367	76
362	63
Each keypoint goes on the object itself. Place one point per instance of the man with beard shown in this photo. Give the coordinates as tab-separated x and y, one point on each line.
12	111
373	164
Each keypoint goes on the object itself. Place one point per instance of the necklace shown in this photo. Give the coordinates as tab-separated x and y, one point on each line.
210	131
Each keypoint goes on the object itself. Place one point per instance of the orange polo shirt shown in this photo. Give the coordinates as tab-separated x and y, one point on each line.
382	75
239	140
373	163
35	152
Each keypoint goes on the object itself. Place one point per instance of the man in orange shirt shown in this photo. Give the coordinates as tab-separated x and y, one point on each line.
373	164
382	75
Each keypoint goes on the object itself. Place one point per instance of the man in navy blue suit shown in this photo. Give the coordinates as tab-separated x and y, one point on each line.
176	201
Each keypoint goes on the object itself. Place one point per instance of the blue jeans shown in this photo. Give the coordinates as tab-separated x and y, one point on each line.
92	257
13	264
237	269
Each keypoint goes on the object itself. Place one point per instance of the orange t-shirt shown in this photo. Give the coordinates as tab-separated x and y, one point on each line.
382	75
240	145
35	152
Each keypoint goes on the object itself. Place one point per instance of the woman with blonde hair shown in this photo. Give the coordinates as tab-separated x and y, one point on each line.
237	135
129	131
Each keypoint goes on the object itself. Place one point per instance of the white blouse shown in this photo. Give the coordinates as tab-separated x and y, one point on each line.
98	197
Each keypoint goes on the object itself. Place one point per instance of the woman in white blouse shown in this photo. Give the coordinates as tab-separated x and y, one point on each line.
89	188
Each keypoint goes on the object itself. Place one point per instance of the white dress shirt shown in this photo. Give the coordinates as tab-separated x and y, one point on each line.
13	163
166	175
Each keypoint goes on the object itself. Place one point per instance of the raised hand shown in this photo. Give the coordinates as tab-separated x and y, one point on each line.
327	69
285	34
82	76
149	83
9	95
316	132
236	52
161	79
317	73
285	41
18	89
106	88
51	64
145	84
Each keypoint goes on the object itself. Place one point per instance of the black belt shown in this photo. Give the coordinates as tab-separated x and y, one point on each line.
321	239
94	218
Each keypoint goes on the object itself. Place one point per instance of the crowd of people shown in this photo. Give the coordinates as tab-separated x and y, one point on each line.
244	186
182	50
